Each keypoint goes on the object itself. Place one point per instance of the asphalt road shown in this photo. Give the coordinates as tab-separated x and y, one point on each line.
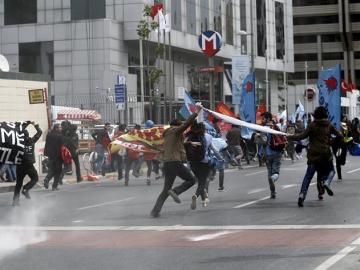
106	225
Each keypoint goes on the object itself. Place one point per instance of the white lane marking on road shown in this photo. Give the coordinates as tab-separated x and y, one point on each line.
258	190
334	259
250	203
77	221
182	228
339	256
353	170
206	237
254	173
105	203
289	186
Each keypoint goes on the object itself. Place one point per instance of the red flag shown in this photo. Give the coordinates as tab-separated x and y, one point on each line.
155	9
352	87
344	86
224	109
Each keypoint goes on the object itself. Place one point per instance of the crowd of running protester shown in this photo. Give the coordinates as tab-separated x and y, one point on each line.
195	156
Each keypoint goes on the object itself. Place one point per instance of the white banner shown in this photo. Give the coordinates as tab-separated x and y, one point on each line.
240	69
238	122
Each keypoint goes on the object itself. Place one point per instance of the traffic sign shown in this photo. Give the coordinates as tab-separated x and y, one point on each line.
210	42
120	95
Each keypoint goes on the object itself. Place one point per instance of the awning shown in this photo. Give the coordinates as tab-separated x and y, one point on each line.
78	114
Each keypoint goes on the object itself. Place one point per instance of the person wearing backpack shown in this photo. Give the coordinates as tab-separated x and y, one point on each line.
319	153
174	157
274	148
197	147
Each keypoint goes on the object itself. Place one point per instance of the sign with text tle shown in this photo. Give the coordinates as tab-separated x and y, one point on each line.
12	142
36	96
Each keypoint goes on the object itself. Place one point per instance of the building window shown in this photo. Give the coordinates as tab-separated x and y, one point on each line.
354	18
217	16
333	56
280	30
204	15
176	15
305	39
37	57
301	75
316	20
191	16
243	26
299	3
20	11
330	38
229	23
87	9
357	55
305	57
261	27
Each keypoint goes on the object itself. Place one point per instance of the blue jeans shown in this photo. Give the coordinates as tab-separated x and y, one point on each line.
100	161
273	163
310	172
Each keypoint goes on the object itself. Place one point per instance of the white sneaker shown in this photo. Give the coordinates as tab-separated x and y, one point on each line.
275	177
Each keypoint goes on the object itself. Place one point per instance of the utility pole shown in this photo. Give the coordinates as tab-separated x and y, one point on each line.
266	80
305	96
285	89
165	76
211	82
252	37
142	79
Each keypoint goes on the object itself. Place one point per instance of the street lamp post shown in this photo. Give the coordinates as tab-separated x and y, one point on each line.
266	81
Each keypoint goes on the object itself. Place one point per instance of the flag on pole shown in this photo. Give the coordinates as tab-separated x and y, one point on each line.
299	113
155	9
247	104
329	85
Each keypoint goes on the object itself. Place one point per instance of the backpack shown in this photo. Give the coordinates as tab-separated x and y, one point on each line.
277	142
195	153
65	155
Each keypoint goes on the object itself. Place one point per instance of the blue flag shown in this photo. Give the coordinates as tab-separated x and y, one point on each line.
247	104
329	85
189	108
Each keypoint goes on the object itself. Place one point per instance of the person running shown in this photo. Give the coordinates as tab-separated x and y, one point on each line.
197	145
71	141
174	157
102	140
117	159
233	138
27	166
273	154
53	143
319	153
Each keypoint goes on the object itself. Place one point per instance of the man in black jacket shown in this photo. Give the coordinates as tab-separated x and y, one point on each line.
27	166
53	144
71	141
